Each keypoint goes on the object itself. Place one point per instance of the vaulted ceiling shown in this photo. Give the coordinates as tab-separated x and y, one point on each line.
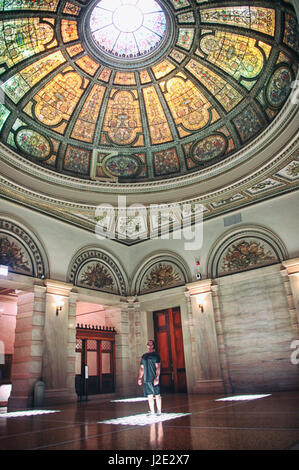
176	93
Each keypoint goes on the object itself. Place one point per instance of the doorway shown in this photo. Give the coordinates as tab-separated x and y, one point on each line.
169	344
95	361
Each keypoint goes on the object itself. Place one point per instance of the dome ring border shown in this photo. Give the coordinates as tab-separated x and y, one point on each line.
128	64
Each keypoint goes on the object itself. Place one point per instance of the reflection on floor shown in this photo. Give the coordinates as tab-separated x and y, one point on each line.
197	422
143	419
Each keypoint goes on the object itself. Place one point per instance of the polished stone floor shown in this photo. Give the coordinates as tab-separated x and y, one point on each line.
194	422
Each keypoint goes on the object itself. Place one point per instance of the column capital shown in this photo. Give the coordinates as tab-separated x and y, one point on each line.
199	287
58	287
130	302
291	265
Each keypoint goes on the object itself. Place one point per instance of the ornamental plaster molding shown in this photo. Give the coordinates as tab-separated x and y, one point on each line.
276	164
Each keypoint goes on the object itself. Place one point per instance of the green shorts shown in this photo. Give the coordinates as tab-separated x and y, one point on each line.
150	389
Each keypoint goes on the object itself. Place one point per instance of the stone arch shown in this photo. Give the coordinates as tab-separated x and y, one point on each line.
245	248
94	268
21	250
159	272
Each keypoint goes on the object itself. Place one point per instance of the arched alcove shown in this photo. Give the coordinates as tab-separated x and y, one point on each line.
94	268
245	248
160	271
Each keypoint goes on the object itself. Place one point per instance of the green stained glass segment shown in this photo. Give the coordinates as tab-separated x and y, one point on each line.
4	113
235	54
255	18
47	5
22	38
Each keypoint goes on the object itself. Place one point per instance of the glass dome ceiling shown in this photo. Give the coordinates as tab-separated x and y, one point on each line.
141	90
127	28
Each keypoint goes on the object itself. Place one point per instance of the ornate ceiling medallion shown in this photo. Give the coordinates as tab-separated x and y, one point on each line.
127	32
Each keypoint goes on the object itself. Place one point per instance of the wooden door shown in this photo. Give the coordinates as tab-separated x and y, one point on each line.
169	344
95	349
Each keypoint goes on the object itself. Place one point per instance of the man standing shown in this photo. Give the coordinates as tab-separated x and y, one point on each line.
150	368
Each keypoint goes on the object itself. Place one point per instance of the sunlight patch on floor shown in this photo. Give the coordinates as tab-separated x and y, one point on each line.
243	397
19	414
143	419
129	400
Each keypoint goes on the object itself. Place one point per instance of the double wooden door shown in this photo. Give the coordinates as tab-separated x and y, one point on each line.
96	350
169	344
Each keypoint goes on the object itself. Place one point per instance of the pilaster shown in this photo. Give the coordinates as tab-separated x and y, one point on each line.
59	343
290	276
208	375
28	347
126	346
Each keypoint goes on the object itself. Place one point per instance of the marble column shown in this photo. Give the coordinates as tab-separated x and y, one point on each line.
224	364
58	370
192	355
28	347
208	377
291	283
126	347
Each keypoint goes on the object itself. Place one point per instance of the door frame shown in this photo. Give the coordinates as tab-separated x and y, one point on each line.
86	333
170	329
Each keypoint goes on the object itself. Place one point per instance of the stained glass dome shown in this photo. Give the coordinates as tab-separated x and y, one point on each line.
141	90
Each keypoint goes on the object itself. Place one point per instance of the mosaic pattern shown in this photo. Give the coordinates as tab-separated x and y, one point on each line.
96	276
4	113
18	250
18	85
248	124
86	123
88	65
95	270
33	143
209	148
236	55
185	38
166	162
246	254
255	18
77	160
188	105
57	100
123	166
158	125
227	96
192	64
291	38
13	255
279	86
46	5
23	38
180	4
122	122
161	276
119	166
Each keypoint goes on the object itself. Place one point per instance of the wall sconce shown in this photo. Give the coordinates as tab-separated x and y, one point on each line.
59	306
200	301
3	270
